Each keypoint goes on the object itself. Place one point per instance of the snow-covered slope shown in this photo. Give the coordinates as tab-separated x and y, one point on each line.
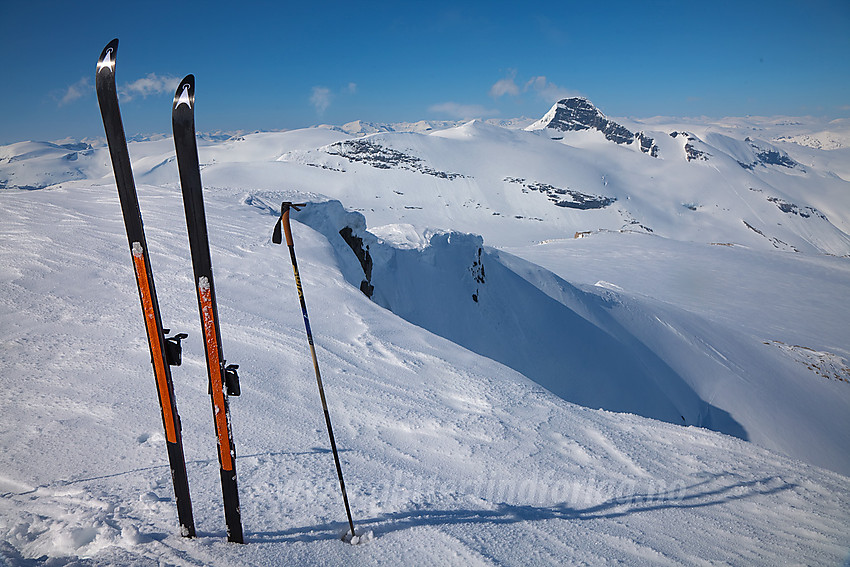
708	291
450	457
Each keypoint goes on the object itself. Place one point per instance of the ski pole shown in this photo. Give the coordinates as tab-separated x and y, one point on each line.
276	238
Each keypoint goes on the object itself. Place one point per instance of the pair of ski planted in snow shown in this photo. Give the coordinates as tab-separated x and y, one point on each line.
165	351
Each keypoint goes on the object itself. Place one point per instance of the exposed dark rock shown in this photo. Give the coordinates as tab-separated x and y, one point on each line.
380	157
791	208
631	223
76	146
691	153
647	144
777	243
363	256
773	157
329	168
568	198
477	271
768	156
477	268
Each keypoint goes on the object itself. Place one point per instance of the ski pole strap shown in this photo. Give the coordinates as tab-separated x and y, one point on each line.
283	222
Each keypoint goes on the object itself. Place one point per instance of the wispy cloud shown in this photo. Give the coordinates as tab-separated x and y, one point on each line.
76	91
506	86
152	84
547	90
320	99
462	111
539	85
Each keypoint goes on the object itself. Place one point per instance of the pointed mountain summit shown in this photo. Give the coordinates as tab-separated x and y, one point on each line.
578	113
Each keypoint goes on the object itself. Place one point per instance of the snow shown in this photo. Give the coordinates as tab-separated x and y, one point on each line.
470	429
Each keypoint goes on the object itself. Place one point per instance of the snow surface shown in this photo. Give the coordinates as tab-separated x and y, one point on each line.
468	426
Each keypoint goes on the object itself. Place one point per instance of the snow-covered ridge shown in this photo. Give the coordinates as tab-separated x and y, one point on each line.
727	178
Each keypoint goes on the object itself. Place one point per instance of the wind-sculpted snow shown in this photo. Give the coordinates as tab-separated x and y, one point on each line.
450	458
588	332
595	346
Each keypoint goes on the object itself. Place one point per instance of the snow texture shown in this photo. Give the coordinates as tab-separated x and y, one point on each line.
672	388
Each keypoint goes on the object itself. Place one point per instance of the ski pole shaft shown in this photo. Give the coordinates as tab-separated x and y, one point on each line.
287	231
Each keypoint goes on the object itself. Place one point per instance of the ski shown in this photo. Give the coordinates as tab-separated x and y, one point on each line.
223	380
165	351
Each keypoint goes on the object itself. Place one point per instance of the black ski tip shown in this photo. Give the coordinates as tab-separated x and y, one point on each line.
107	57
185	93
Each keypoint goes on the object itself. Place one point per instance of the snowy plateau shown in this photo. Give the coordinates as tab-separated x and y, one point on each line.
575	340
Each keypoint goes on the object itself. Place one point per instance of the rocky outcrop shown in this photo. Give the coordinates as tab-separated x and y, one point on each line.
381	157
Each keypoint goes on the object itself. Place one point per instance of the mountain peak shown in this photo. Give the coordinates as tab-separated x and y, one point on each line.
569	114
578	113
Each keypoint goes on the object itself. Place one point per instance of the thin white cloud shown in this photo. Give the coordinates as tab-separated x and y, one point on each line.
548	91
76	91
462	111
152	84
320	99
506	86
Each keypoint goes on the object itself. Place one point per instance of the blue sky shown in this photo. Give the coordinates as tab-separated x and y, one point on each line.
281	65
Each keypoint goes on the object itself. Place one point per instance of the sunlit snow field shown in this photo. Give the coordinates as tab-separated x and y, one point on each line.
671	388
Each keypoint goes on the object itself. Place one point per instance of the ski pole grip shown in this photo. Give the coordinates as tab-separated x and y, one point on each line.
284	220
287	230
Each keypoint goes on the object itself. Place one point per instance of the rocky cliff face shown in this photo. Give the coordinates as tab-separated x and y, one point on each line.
577	113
